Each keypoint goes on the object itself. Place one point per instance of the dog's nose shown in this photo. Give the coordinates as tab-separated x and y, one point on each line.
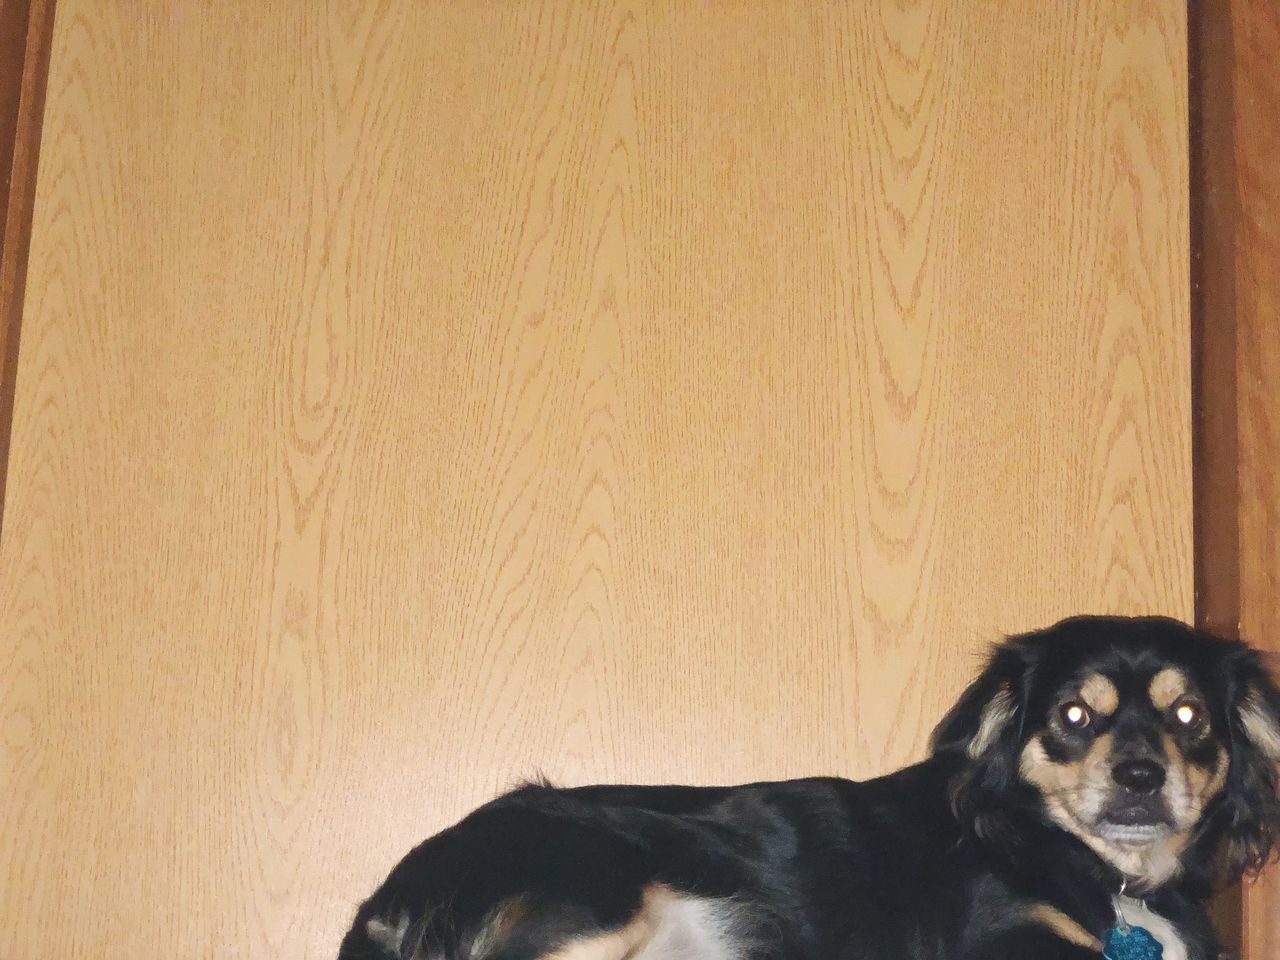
1140	776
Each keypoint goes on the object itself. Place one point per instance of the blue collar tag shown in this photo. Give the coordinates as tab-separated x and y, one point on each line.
1125	942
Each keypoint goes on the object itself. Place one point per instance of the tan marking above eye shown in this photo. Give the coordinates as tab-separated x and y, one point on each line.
1100	694
1167	687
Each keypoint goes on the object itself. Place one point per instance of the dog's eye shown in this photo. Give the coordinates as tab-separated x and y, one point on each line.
1187	714
1075	715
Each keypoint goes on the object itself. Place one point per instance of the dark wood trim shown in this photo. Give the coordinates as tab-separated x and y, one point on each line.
1256	108
1213	345
26	33
1235	247
1213	348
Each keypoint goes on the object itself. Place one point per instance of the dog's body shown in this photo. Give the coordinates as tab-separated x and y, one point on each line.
1101	755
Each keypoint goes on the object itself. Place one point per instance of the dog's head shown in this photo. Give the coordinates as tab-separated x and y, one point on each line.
1151	743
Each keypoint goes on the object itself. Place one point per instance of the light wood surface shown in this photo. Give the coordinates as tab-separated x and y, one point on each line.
415	397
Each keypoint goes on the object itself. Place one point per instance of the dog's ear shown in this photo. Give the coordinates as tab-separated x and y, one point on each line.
983	730
988	710
1259	715
1252	792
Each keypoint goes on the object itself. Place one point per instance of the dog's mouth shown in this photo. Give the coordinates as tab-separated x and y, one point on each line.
1128	820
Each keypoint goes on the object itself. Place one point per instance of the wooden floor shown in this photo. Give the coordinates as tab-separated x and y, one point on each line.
416	397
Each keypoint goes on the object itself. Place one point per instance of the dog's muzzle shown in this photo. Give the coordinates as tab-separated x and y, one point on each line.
1137	802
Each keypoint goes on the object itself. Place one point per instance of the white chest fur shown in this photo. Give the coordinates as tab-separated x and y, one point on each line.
1137	914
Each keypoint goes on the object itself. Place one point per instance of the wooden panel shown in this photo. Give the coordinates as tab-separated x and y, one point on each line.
26	28
416	397
1237	235
1258	386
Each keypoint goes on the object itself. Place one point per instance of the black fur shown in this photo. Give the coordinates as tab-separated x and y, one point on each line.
935	862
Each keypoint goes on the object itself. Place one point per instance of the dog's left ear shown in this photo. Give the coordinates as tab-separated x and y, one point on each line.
1252	792
1259	715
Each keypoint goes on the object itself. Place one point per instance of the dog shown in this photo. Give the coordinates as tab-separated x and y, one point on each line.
1096	780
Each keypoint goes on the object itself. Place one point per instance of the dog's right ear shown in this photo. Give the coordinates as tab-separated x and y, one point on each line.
989	709
984	728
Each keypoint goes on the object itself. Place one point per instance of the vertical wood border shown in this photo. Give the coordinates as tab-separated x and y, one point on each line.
26	32
1235	261
1213	351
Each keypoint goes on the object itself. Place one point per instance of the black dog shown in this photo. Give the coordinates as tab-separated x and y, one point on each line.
1100	757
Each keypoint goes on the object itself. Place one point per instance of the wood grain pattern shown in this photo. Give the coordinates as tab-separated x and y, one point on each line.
1236	118
417	397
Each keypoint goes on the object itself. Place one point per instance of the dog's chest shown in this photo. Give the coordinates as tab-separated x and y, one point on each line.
1137	914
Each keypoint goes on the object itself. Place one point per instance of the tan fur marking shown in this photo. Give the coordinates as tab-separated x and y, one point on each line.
387	934
1063	926
615	945
1038	770
997	713
1166	687
1100	694
500	922
669	926
1204	783
1260	726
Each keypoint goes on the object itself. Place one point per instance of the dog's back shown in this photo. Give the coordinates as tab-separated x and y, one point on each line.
657	873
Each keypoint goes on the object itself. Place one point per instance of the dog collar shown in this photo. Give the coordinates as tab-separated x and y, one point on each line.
1125	941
